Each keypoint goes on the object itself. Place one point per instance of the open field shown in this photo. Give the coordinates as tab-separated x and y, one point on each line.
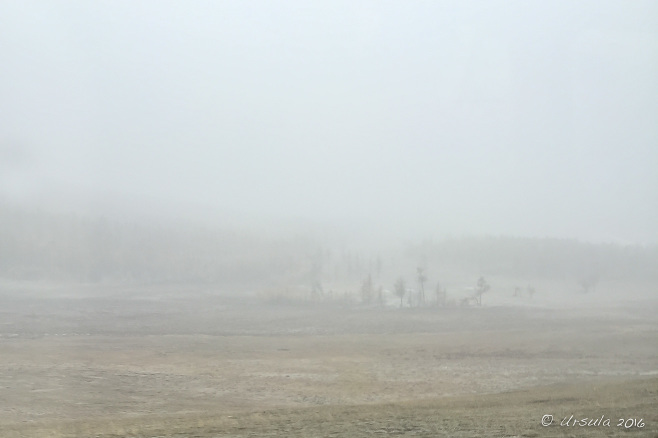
154	363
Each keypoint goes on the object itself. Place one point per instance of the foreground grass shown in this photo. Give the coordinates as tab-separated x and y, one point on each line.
509	414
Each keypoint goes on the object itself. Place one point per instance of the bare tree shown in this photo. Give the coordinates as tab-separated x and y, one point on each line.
422	278
400	289
588	282
315	277
440	295
482	287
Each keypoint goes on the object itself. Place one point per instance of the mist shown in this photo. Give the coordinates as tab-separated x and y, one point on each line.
415	120
337	218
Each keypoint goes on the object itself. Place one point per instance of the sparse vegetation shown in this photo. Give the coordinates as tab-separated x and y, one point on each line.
140	364
40	246
230	218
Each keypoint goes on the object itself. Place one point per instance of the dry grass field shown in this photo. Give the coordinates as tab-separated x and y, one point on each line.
155	363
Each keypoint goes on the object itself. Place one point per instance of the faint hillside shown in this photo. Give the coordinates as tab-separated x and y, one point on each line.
40	245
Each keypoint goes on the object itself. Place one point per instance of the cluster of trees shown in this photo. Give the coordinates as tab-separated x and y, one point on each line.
41	245
400	289
38	245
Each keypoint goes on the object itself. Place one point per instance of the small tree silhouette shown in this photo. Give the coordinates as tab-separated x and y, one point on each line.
482	287
440	295
422	278
400	289
589	282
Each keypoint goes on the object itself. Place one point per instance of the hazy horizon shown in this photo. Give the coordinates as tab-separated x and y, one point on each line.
403	119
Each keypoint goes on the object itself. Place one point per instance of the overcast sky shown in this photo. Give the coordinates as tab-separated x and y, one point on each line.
413	118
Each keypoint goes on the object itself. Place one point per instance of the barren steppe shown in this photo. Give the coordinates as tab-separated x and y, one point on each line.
189	362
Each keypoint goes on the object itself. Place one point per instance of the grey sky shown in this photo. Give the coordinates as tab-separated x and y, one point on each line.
413	118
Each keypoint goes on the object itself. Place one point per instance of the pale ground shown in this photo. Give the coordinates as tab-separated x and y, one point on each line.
90	362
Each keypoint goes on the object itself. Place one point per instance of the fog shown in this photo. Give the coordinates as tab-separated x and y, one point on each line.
297	149
400	119
337	218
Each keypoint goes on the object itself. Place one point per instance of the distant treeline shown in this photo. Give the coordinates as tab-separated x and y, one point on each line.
39	245
561	259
